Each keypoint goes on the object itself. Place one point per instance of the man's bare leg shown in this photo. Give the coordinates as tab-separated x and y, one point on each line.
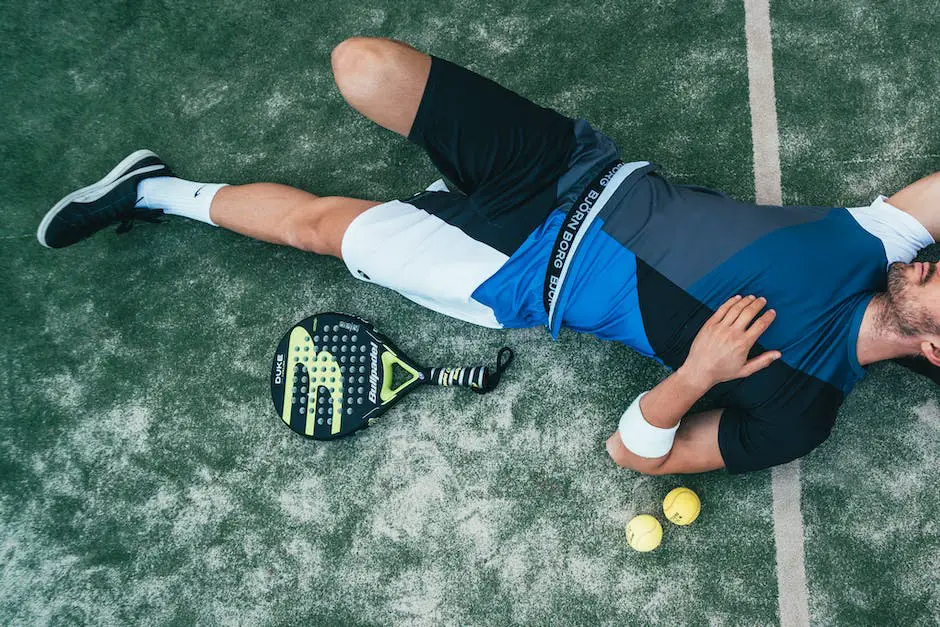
382	79
285	215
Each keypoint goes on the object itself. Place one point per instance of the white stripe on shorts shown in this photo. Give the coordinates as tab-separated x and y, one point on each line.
423	258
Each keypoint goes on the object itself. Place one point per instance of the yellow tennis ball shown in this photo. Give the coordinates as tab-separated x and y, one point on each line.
682	506
644	533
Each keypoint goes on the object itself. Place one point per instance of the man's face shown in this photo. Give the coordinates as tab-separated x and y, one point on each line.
913	303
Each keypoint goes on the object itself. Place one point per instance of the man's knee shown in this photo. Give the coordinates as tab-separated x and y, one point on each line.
358	65
303	228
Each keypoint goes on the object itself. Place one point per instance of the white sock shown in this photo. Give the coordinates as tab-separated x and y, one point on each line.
178	197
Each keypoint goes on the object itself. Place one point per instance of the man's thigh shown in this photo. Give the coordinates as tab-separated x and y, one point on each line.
335	214
421	256
493	144
382	79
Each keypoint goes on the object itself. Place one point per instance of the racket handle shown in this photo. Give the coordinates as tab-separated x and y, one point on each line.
478	378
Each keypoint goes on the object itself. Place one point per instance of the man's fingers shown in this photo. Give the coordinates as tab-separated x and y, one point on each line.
736	310
759	363
723	310
747	314
760	325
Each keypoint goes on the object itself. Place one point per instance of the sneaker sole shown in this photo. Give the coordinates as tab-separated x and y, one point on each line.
97	189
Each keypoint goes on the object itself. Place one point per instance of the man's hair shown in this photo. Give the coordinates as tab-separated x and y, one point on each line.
921	366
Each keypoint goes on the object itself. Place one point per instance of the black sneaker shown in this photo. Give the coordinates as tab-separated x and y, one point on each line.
111	200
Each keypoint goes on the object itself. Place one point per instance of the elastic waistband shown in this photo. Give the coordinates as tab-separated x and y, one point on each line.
577	223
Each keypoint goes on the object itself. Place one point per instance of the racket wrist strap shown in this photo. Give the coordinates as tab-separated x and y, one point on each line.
503	358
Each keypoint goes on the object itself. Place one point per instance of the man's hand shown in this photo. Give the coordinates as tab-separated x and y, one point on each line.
719	351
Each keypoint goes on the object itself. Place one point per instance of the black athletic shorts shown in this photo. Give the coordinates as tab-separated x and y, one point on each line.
513	163
505	153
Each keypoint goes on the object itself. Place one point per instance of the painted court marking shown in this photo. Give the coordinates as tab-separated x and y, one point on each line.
793	597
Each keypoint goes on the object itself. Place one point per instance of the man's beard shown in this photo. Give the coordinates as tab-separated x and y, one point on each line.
900	314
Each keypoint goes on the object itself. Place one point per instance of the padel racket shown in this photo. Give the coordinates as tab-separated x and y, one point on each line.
334	374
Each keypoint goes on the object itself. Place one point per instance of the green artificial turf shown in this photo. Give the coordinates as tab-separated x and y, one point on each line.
859	116
144	477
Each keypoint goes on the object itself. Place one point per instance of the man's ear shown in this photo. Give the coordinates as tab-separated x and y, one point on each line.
931	352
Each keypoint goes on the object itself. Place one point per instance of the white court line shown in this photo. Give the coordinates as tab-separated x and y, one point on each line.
793	597
760	75
792	594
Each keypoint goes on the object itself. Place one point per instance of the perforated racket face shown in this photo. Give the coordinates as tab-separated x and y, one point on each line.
331	375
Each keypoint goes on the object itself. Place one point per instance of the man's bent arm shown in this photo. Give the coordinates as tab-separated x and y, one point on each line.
921	199
647	439
696	445
666	404
695	449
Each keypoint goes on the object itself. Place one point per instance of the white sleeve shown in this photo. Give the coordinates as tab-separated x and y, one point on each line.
901	233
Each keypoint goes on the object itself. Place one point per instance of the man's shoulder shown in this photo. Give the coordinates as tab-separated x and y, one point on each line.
899	231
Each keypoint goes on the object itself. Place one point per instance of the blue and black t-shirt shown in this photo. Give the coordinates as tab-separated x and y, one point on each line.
662	257
653	265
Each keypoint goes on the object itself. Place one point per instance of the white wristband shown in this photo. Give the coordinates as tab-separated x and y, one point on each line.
642	438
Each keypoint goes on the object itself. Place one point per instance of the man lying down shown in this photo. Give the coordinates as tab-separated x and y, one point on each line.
773	312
